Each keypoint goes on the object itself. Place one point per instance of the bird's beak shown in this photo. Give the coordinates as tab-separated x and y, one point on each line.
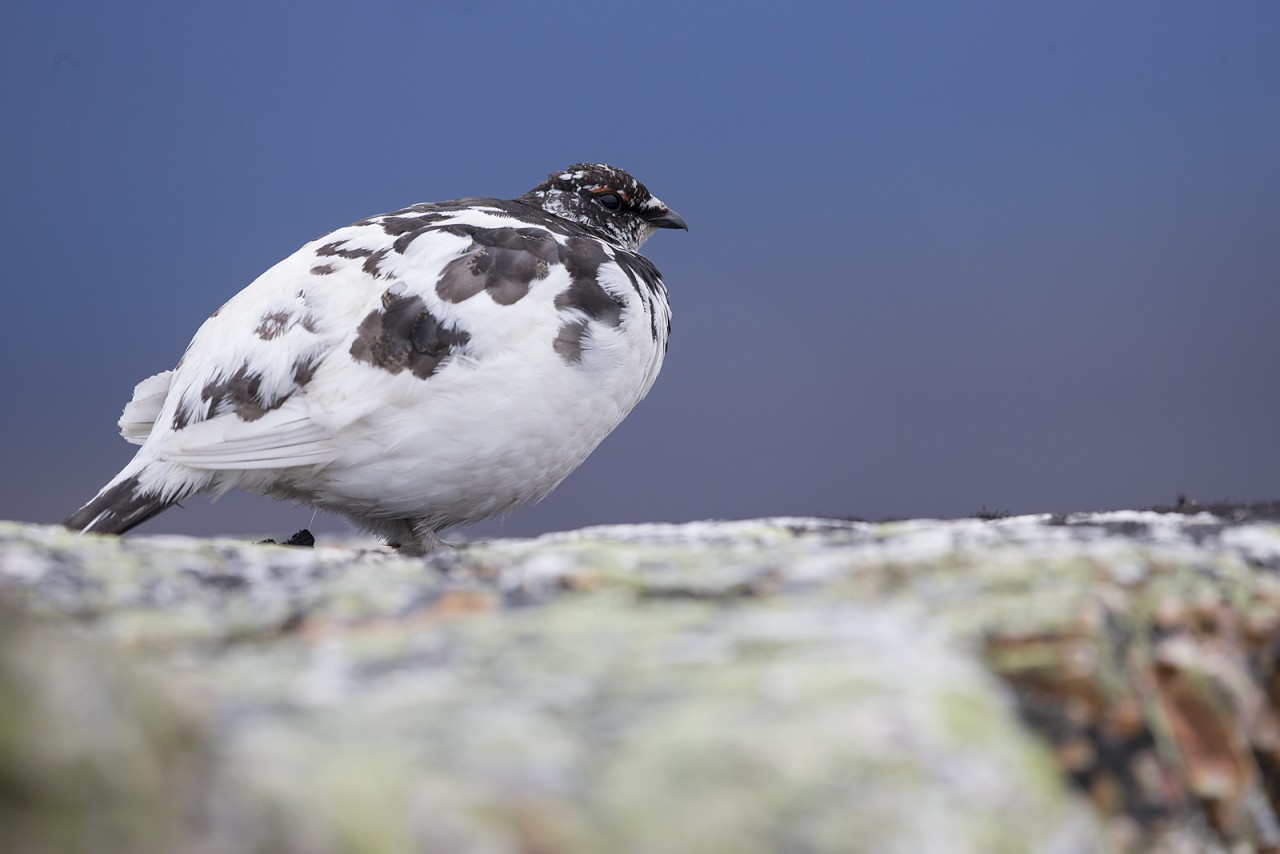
666	219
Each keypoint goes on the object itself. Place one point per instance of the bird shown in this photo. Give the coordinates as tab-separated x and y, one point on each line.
415	371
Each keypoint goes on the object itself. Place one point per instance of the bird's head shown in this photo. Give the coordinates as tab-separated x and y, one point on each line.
605	200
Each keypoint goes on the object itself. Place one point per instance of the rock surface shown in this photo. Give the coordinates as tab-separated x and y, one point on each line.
1057	684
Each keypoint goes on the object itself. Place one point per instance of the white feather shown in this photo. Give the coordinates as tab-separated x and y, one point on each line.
140	413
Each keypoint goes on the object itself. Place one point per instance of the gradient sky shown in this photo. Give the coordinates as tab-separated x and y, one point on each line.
1021	255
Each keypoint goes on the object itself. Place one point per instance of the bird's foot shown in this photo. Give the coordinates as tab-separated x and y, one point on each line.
419	543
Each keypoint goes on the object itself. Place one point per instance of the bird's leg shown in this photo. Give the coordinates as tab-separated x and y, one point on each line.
422	541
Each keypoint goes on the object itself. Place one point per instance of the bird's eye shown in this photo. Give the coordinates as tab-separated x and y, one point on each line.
609	200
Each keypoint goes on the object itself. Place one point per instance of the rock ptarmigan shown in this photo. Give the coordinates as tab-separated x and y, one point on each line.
426	368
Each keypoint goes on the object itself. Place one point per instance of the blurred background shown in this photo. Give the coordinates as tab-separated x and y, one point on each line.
1017	256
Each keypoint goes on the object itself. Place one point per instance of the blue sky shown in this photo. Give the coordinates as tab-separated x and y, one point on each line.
1019	255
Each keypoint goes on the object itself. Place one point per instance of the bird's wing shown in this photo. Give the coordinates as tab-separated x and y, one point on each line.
233	400
361	318
283	438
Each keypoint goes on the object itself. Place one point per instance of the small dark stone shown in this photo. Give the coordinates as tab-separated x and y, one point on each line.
302	539
991	515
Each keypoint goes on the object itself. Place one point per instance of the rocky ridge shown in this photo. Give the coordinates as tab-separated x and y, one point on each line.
1099	681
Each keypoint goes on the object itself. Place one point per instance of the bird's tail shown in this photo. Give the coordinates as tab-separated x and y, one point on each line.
122	504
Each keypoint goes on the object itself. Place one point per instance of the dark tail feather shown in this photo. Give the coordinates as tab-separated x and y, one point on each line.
117	508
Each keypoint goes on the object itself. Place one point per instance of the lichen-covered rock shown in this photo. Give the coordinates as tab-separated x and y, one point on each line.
1099	682
92	759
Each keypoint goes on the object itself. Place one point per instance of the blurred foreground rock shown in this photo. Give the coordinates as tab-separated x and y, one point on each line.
1093	682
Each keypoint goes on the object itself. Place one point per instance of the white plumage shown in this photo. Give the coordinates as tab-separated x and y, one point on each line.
414	371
